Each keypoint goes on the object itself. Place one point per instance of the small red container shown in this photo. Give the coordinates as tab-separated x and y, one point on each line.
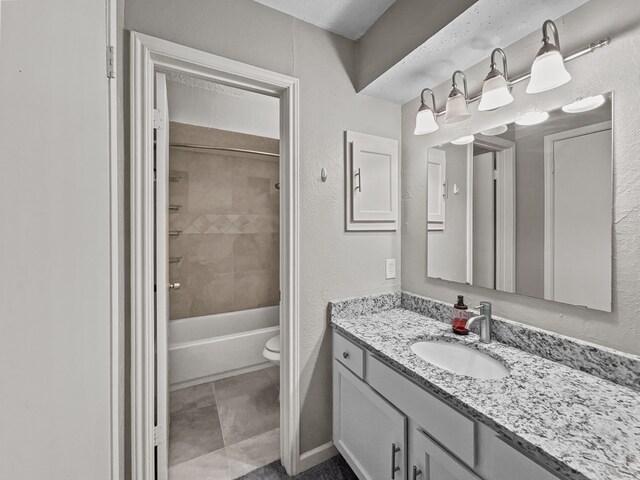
460	317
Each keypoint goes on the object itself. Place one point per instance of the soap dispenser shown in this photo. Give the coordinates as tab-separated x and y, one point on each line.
460	317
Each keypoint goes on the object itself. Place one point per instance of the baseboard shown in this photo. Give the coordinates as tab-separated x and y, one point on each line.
316	456
219	376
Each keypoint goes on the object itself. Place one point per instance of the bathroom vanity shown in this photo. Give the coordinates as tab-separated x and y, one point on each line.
397	416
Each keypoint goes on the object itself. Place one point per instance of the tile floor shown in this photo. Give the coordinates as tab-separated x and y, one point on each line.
335	468
224	429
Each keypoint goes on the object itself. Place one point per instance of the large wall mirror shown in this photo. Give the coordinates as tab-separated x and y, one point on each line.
527	207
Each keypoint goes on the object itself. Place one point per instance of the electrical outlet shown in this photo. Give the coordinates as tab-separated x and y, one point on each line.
390	268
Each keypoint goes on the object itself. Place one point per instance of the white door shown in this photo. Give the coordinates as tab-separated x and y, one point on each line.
578	217
429	461
436	188
375	181
161	129
484	222
369	432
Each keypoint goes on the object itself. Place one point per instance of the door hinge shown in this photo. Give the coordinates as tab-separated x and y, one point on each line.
111	61
158	119
158	435
496	174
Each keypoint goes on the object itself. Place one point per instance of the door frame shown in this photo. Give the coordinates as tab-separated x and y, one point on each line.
149	54
505	211
549	196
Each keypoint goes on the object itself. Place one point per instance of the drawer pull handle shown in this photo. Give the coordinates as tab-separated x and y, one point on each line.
394	468
416	472
345	355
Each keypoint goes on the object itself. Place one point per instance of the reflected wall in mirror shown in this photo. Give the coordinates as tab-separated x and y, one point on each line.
527	207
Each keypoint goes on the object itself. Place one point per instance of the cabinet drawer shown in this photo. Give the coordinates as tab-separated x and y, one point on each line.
349	354
450	428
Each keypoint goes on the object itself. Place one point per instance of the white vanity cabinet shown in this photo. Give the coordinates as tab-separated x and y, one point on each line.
389	428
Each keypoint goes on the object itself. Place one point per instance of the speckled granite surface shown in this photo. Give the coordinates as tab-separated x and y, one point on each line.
580	425
603	362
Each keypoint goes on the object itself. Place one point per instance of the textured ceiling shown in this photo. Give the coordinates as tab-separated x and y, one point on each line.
463	42
349	18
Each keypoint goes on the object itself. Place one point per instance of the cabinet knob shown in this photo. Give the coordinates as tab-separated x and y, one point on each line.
345	355
174	286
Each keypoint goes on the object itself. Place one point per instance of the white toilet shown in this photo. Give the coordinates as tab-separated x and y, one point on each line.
271	350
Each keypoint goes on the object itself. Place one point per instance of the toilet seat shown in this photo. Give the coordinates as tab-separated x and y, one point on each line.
273	344
271	350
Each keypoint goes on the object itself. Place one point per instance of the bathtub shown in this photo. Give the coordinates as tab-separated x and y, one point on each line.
203	349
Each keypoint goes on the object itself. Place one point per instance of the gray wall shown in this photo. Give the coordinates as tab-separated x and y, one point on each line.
334	264
612	68
55	244
410	23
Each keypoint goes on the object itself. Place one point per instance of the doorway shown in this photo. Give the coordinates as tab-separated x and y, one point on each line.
221	236
155	260
491	207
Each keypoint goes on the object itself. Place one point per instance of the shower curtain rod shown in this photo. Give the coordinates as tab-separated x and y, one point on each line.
224	149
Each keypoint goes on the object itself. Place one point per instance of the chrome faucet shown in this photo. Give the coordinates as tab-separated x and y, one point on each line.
485	322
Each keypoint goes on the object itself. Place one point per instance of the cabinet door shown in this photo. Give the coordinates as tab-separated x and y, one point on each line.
372	182
429	461
369	433
375	172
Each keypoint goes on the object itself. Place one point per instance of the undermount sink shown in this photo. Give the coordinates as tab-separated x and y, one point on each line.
460	359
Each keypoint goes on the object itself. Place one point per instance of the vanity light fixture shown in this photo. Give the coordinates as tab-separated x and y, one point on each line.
495	89
584	104
548	70
456	109
463	140
499	130
532	118
426	118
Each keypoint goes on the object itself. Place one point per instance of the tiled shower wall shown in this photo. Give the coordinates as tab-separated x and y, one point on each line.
226	254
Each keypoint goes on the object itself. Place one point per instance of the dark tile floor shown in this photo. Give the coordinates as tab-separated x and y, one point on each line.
224	429
335	468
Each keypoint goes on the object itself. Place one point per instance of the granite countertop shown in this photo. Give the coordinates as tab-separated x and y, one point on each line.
580	425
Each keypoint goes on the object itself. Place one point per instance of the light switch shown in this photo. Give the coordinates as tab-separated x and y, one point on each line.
390	268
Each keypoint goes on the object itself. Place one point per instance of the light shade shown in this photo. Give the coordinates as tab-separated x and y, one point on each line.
548	69
499	130
456	110
425	121
463	140
584	104
548	72
495	94
532	118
